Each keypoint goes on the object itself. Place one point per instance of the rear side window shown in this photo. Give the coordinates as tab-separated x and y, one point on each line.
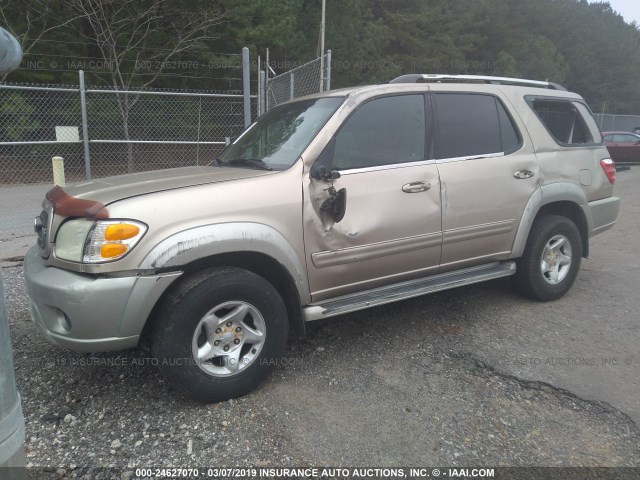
472	124
568	122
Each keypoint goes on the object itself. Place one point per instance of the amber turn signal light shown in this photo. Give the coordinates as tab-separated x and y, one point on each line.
121	231
110	250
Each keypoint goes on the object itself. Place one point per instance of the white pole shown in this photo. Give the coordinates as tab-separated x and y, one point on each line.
322	24
57	164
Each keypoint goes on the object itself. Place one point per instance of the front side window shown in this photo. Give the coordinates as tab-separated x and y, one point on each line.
383	131
472	124
568	122
279	137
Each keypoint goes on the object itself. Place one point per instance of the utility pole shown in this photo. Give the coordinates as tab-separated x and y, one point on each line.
322	25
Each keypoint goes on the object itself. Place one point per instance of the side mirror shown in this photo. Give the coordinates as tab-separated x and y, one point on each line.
336	204
340	205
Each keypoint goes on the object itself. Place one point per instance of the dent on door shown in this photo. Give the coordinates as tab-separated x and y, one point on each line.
387	234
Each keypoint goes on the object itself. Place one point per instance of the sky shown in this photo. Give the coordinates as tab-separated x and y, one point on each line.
629	9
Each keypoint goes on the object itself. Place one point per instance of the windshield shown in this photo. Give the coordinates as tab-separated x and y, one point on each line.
279	136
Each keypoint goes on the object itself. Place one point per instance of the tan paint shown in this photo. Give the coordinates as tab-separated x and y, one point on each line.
387	234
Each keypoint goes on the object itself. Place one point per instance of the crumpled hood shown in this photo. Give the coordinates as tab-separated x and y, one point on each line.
111	189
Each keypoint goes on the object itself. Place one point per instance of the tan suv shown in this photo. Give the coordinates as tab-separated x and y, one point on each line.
327	204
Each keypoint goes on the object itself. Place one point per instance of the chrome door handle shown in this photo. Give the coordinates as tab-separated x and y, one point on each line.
416	187
523	174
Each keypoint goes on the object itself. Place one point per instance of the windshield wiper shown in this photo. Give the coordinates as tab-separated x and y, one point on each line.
249	162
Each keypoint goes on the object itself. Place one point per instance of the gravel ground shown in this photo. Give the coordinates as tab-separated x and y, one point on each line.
355	393
422	382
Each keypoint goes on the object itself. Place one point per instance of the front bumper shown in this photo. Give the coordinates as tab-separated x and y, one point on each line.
89	313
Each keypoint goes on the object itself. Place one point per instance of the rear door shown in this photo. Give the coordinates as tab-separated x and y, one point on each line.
487	175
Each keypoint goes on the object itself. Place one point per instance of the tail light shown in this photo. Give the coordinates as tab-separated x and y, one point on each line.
609	168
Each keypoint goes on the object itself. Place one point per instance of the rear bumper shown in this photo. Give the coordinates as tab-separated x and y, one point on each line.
604	214
88	313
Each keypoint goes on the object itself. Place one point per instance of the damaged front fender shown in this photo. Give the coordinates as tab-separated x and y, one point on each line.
201	242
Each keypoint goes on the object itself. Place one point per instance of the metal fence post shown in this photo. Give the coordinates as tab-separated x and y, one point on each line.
266	81
246	86
199	128
259	92
292	86
262	93
85	126
328	79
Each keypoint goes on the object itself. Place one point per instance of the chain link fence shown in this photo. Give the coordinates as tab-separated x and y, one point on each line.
127	131
29	117
613	123
300	81
148	130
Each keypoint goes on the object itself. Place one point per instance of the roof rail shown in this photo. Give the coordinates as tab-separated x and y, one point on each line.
438	78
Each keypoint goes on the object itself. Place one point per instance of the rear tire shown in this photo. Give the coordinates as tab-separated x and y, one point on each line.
219	334
551	259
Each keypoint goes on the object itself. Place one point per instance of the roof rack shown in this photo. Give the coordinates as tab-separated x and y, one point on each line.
438	78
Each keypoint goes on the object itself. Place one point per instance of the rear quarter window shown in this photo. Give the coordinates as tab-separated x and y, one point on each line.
569	122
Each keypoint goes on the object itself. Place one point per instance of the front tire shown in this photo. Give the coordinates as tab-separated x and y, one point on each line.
551	259
219	334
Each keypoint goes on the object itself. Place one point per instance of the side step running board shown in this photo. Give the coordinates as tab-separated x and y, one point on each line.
409	289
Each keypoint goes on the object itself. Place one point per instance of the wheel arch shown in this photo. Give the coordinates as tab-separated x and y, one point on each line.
563	198
258	263
254	247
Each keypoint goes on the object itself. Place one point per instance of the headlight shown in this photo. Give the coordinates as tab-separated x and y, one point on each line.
90	241
71	238
110	240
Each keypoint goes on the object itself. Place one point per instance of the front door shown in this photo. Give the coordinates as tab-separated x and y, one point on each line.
391	230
